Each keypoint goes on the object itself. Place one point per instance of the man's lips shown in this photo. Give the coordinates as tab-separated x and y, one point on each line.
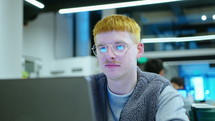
112	65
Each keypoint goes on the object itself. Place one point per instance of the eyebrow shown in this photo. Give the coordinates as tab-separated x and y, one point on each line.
111	43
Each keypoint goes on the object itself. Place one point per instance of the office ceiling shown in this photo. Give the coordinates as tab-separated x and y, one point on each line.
181	18
30	11
159	19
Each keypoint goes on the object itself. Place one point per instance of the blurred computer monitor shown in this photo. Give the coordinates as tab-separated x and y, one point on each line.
183	92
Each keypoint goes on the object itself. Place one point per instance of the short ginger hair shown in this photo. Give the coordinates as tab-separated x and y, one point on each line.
118	23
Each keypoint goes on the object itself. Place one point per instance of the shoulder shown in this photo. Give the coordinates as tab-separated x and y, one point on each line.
170	105
152	79
169	92
150	76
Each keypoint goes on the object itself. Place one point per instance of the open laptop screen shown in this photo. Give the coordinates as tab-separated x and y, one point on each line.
46	99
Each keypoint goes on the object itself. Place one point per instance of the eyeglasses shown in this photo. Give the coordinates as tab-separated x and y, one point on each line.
118	48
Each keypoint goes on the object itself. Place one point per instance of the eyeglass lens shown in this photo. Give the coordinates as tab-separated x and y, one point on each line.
117	48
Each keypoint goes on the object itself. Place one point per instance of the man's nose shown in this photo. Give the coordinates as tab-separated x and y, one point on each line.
111	53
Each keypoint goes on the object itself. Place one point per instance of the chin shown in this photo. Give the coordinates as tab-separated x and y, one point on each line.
113	75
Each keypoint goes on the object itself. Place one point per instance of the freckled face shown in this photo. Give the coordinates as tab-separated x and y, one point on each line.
117	66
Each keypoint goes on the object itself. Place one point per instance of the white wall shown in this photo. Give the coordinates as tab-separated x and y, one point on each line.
38	38
47	45
11	20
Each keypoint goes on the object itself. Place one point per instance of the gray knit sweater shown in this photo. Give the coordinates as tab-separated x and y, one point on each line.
143	102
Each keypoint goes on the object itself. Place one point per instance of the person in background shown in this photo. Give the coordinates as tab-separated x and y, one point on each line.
122	92
154	66
178	84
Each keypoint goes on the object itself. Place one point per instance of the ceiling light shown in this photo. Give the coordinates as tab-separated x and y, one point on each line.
178	39
204	17
35	3
113	5
213	17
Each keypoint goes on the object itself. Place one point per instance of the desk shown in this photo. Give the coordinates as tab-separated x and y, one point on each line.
202	112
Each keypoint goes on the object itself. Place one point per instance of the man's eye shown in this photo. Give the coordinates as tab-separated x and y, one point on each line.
103	49
120	47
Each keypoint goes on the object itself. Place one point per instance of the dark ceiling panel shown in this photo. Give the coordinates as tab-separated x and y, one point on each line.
181	22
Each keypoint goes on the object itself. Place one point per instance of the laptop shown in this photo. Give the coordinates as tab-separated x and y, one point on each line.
46	99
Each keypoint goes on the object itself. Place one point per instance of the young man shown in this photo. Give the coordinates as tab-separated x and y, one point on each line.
123	92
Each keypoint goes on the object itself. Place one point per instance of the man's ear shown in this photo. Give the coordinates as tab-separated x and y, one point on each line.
140	48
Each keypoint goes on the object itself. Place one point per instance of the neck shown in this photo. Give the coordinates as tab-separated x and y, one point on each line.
123	85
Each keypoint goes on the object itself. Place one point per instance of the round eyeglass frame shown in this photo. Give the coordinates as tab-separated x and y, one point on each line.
95	50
